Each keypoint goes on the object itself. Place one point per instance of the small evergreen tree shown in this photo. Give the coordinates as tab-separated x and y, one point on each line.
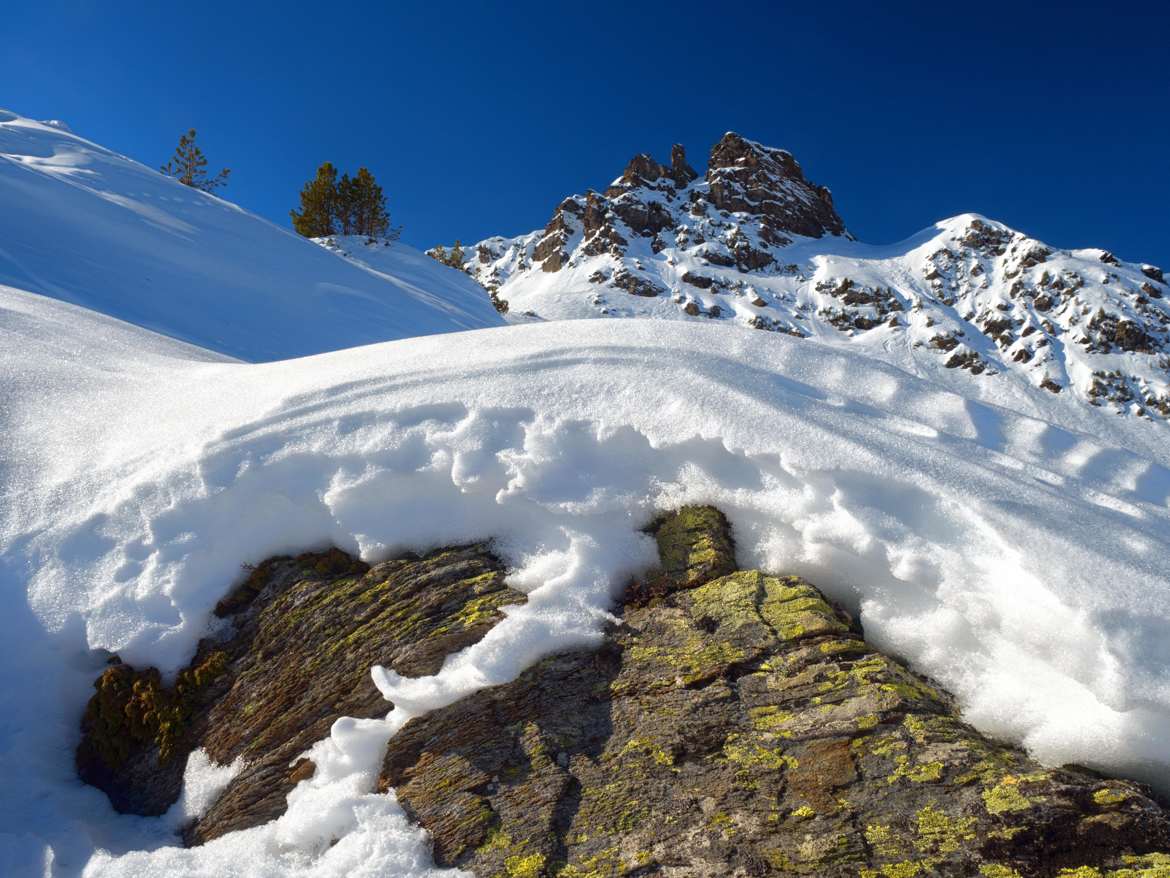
319	204
188	163
349	206
454	257
346	205
370	216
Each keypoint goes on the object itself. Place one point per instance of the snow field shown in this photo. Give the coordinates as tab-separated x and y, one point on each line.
94	228
1022	562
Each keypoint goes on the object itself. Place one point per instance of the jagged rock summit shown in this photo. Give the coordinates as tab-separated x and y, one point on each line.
754	242
742	177
747	177
733	723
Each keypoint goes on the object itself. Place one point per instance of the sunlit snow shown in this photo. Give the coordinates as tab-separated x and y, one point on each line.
1021	561
86	225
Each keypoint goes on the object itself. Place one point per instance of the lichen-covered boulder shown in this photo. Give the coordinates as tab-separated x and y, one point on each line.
736	724
305	632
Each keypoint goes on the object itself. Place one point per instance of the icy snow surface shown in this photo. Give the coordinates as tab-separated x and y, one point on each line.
1024	561
86	225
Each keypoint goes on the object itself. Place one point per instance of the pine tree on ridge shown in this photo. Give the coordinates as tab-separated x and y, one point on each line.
347	206
318	204
188	163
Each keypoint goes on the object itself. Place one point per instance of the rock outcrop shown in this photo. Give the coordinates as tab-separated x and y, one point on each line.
733	723
750	178
736	724
306	632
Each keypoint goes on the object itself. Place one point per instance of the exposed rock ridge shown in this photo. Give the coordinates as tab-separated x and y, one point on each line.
736	724
748	177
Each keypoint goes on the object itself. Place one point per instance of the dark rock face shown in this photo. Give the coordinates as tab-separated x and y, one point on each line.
698	280
746	177
681	172
636	285
736	723
646	218
550	250
642	170
651	199
307	631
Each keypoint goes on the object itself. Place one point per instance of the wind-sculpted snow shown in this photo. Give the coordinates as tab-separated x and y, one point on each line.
1020	561
86	225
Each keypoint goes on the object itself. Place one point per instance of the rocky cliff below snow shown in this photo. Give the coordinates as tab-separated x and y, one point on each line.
731	723
755	242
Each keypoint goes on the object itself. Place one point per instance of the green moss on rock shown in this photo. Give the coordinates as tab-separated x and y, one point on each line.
694	546
737	725
133	709
306	631
734	723
1005	796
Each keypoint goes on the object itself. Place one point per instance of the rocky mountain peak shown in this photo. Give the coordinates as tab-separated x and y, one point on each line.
678	164
735	152
747	177
754	241
644	170
752	198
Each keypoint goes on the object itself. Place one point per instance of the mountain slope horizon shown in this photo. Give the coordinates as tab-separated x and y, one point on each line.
754	242
88	226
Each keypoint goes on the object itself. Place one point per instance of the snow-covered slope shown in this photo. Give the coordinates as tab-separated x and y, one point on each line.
753	242
85	225
1023	561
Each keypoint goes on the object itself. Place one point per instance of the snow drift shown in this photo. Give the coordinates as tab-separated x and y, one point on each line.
86	225
1022	561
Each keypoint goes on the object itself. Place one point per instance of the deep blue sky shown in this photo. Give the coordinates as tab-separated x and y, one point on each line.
479	118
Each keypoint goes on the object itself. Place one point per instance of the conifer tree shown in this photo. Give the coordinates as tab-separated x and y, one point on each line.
370	217
455	259
319	204
346	205
188	163
349	206
439	253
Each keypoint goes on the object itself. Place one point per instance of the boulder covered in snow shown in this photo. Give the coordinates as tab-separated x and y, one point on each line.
736	723
733	722
302	634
